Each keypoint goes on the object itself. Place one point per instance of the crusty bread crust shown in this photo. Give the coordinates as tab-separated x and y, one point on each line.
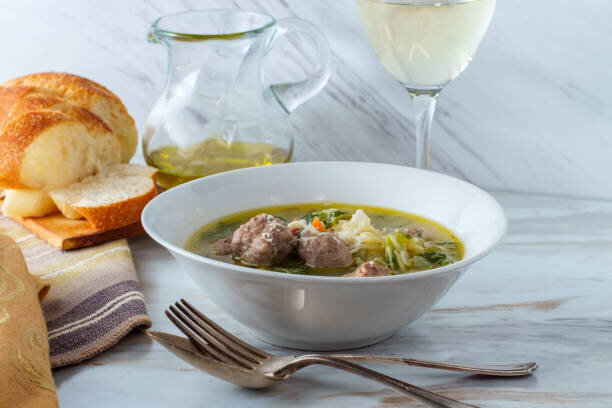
75	86
35	102
32	102
119	214
8	97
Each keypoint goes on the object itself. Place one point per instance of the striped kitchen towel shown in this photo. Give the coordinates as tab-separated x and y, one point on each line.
95	297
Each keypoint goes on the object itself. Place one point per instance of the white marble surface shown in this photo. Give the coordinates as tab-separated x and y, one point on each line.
531	114
544	295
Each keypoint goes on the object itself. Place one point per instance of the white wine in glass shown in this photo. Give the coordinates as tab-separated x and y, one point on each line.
425	44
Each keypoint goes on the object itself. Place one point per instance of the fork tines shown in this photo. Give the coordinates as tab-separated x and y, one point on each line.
211	339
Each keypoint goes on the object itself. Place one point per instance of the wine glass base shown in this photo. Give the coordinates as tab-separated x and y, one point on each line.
418	91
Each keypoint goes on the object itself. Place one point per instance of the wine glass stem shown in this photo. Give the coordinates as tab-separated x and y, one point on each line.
424	107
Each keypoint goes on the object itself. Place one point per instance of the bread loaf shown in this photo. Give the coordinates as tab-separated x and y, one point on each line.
56	129
92	96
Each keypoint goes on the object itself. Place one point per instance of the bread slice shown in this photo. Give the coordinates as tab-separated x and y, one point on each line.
112	198
128	170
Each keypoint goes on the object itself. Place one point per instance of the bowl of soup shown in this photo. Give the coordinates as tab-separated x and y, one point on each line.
326	255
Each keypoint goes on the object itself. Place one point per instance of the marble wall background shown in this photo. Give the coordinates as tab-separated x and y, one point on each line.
533	112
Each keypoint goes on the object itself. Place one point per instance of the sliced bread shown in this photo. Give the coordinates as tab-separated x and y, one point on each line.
87	94
55	130
111	199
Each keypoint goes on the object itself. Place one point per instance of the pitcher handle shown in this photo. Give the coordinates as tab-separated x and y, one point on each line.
293	94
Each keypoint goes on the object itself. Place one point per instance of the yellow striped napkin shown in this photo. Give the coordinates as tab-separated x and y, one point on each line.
95	296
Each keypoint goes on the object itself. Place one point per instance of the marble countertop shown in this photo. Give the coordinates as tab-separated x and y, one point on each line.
532	112
544	295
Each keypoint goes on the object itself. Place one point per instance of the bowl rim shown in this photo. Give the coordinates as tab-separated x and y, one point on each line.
463	263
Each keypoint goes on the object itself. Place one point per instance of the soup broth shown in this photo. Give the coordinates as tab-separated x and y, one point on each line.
401	242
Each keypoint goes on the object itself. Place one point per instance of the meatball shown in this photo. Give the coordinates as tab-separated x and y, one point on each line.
369	269
413	231
224	246
324	250
263	241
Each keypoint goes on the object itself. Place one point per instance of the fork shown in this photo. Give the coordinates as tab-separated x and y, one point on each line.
236	361
497	370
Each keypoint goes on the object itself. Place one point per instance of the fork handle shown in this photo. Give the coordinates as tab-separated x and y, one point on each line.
428	398
505	370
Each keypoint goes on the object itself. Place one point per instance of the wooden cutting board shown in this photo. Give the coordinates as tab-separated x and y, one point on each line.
66	234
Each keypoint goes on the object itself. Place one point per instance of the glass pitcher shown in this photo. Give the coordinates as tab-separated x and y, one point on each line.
217	112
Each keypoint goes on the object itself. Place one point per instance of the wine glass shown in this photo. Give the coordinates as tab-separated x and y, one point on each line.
425	44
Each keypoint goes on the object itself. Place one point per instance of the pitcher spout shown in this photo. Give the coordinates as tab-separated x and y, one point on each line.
152	36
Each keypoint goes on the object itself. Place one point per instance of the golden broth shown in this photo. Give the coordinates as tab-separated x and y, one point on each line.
203	241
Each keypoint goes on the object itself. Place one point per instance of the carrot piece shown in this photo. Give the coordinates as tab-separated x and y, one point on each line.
316	222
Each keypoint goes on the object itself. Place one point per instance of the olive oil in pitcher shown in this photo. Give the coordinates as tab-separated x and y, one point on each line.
217	111
178	165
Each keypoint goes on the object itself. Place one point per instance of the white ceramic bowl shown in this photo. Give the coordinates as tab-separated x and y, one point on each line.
316	312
